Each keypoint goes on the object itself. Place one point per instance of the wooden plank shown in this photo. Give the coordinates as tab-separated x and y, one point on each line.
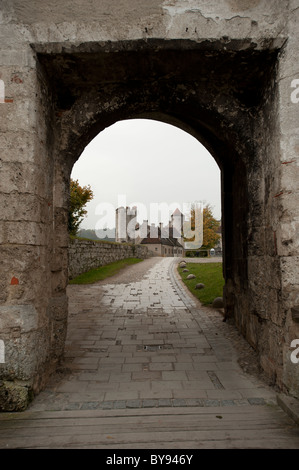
256	427
101	435
173	411
264	438
202	420
190	420
108	429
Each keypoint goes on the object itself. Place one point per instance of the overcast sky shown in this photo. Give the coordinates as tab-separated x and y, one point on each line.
145	163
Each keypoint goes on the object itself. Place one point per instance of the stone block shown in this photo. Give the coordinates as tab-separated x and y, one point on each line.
26	355
24	317
20	115
17	57
290	272
287	239
291	370
58	307
24	178
26	233
17	147
16	206
14	396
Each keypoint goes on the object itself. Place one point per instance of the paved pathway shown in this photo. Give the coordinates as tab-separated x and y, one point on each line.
140	350
130	344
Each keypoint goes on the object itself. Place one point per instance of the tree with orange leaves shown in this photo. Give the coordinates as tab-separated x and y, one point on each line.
210	226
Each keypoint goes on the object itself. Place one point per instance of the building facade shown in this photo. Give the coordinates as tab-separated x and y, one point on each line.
160	241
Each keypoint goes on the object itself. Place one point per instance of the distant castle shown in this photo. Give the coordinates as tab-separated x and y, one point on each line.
161	241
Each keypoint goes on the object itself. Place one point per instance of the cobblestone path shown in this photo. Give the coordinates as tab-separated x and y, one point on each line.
146	367
146	344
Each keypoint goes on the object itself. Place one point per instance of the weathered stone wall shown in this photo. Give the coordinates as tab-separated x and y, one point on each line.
221	71
85	255
26	232
287	207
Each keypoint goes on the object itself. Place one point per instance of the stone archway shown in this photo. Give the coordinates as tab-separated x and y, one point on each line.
223	106
222	91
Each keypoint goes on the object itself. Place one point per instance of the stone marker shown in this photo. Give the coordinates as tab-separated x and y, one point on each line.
218	302
200	286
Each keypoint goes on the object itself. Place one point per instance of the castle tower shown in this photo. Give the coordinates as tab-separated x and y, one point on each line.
120	225
176	225
125	224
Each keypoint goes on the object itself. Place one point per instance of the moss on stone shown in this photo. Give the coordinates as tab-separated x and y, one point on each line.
14	396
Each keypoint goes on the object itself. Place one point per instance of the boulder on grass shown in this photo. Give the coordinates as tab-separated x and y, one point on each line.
218	303
191	276
200	286
185	270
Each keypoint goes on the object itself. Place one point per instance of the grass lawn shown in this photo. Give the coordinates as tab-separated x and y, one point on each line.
209	274
98	274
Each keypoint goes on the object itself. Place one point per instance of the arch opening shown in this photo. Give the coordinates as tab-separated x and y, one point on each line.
234	202
148	162
211	110
226	99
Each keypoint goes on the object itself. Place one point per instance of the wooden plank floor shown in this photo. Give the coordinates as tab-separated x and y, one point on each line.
231	427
